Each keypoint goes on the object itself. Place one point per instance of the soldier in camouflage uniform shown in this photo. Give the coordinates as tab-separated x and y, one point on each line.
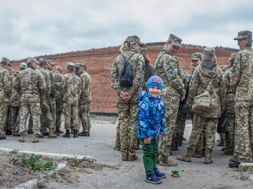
71	93
230	107
31	87
15	103
84	100
168	68
59	86
127	97
206	75
77	69
5	90
45	109
242	79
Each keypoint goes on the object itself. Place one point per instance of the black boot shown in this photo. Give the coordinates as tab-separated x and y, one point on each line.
234	165
67	134
75	135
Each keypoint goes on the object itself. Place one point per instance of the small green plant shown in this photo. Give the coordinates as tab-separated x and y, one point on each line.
33	162
93	115
14	151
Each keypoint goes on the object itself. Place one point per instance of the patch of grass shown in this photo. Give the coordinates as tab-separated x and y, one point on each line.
33	162
93	115
14	151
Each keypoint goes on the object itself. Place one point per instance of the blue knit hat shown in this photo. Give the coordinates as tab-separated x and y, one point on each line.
155	81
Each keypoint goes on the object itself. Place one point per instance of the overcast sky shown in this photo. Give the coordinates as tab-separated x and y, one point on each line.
43	27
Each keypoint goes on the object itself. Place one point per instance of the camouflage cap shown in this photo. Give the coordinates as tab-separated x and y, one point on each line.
144	50
82	65
50	62
59	68
77	65
196	56
70	64
23	65
209	52
243	34
29	60
43	61
232	56
134	39
5	61
175	40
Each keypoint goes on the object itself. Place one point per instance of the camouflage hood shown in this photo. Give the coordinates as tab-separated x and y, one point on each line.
208	69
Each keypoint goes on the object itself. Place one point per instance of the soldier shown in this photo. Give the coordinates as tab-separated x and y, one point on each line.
30	85
168	68
207	75
45	109
242	79
59	86
230	107
71	93
77	69
5	90
127	96
84	100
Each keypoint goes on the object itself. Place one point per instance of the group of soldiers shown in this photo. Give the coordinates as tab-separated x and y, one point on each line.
230	94
33	99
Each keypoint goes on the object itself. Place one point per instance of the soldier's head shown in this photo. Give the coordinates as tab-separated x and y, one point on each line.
196	59
5	62
50	64
133	42
231	59
59	69
208	54
173	44
70	67
11	70
31	62
144	52
244	39
22	66
43	63
82	67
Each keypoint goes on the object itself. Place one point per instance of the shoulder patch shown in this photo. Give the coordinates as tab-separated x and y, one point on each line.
171	72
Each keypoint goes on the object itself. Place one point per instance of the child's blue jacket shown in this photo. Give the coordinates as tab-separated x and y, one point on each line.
151	116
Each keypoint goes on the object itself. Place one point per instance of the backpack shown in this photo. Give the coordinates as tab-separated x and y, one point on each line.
202	102
126	75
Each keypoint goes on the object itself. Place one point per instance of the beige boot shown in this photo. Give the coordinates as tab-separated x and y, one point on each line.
51	134
185	157
22	138
35	139
132	157
167	163
208	160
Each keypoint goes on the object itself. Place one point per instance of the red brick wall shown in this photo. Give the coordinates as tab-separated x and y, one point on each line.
99	62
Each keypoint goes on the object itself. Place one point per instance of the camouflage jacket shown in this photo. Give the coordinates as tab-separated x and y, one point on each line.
136	62
168	68
58	85
47	79
85	90
5	85
205	73
229	92
15	97
52	94
242	75
71	89
30	85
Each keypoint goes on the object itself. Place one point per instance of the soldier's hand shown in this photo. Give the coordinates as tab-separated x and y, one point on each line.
147	140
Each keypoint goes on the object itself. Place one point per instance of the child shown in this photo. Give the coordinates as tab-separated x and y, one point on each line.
151	127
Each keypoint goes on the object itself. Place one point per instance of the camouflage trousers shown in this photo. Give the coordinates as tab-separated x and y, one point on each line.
206	125
3	116
179	129
200	146
71	116
59	111
84	115
171	108
14	119
244	131
128	114
52	106
46	117
230	137
34	110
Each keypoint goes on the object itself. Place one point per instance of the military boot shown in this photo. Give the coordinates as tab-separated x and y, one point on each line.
58	131
208	160
51	134
132	157
35	139
167	162
233	159
22	138
67	134
185	157
2	137
75	135
124	157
